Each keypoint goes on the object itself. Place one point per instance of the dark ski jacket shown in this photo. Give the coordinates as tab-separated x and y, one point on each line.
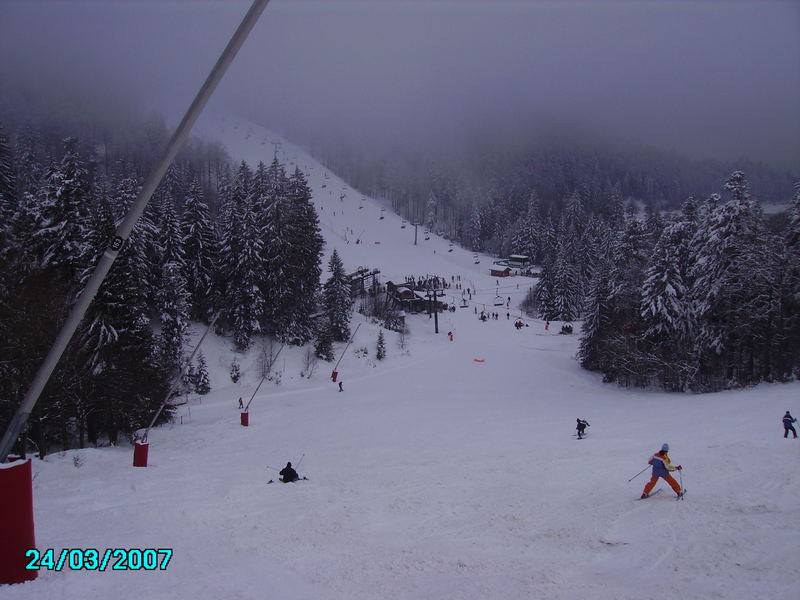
582	425
289	474
788	420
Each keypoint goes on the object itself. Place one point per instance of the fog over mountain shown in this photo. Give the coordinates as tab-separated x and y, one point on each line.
709	79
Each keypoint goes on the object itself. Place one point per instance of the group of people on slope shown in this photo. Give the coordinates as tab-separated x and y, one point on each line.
660	461
662	465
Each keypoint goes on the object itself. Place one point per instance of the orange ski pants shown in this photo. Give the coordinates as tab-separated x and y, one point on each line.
669	479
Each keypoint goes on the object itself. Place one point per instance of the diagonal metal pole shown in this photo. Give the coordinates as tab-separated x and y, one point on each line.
124	230
346	347
272	362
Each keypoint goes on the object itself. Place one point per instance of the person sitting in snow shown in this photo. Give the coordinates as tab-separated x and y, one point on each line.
581	427
288	474
662	468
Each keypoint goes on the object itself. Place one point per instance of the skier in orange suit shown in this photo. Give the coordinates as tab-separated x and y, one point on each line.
662	467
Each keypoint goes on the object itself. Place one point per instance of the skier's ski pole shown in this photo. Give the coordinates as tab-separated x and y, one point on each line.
272	468
639	473
301	460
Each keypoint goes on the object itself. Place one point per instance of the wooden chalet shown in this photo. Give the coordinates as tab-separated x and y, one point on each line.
500	271
402	296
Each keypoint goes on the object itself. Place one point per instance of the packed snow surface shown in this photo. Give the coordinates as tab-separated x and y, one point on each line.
431	475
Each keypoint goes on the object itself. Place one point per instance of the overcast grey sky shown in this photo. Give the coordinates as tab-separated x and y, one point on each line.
717	79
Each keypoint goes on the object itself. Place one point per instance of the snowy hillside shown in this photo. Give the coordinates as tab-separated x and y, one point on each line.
447	471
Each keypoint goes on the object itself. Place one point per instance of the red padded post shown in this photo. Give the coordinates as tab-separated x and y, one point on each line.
16	522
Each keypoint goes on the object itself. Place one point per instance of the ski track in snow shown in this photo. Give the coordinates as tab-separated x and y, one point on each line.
432	476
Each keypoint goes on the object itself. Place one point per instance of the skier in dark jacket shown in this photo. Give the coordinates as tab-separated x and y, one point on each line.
788	419
288	474
581	427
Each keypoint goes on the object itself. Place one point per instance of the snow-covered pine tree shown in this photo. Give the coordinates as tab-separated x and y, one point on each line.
574	216
614	207
202	384
235	371
304	259
595	352
173	184
124	189
548	240
380	351
731	287
593	248
566	293
170	236
336	299
665	309
630	254
200	252
689	211
241	264
247	297
787	350
654	223
544	296
276	230
173	310
100	232
323	347
65	198
526	239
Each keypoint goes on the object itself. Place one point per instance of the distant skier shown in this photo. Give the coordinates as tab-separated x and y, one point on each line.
340	387
240	402
288	474
787	425
662	468
581	427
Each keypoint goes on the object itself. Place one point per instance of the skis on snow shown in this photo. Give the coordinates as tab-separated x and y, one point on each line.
658	491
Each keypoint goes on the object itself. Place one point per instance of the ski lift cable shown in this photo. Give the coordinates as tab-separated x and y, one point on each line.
176	380
122	233
247	408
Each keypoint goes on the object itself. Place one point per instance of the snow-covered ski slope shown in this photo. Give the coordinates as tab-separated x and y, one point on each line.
433	476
